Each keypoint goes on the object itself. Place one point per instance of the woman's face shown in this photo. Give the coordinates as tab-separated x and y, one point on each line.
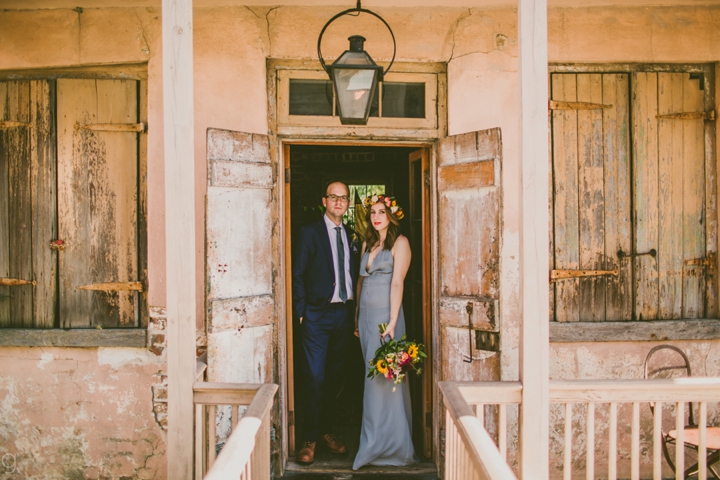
378	217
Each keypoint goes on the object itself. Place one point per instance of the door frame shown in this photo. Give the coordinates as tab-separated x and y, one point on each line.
284	281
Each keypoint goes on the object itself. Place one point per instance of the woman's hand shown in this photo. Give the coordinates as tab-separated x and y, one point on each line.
389	331
357	332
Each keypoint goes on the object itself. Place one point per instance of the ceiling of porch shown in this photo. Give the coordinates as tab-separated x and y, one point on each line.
42	4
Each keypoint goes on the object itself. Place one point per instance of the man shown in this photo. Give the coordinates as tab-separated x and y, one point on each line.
322	291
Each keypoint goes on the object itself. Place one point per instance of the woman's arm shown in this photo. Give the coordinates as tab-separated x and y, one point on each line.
401	262
358	291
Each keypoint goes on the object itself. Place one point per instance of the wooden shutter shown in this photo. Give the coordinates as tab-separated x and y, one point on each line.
671	177
240	254
27	204
591	219
469	243
97	202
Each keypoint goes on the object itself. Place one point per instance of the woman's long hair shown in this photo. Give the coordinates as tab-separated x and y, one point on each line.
372	236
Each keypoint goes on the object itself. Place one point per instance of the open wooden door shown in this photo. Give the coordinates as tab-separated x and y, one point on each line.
419	216
469	213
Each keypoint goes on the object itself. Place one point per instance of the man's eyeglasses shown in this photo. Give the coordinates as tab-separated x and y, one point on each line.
335	198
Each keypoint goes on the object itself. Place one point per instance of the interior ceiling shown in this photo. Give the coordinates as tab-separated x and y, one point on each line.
42	4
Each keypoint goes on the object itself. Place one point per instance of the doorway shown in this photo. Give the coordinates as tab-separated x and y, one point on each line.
398	171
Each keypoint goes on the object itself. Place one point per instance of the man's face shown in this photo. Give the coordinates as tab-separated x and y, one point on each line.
336	200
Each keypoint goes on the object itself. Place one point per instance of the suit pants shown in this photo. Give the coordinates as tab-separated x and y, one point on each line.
325	340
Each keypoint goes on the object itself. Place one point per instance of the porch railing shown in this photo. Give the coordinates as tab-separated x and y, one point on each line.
470	452
246	453
669	398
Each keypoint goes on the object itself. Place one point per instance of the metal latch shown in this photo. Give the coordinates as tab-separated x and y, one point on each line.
570	274
709	261
489	341
651	252
469	310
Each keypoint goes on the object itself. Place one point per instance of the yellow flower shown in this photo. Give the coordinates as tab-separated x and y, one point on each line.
413	351
394	203
381	367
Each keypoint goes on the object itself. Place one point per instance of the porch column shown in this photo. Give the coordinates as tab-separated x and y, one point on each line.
534	243
177	58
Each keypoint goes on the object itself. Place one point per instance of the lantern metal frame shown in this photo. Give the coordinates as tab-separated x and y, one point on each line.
356	11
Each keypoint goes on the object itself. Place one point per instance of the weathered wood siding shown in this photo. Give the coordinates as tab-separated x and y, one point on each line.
97	201
469	213
241	301
612	196
27	203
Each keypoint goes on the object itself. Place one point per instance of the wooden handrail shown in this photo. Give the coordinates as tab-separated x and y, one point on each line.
209	393
697	389
235	456
482	451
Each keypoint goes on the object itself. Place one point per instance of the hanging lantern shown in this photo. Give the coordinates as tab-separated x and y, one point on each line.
355	75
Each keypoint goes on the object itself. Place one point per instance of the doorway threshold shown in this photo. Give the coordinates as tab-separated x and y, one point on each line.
341	469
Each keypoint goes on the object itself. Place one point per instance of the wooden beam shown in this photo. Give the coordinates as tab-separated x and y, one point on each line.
644	331
77	337
534	248
177	42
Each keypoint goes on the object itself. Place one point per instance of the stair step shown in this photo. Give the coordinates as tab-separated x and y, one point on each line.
422	471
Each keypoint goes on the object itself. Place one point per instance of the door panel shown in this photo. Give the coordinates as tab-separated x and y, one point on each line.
469	239
591	214
419	214
27	203
670	197
97	201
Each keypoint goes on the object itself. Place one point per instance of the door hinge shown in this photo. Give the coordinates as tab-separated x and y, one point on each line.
570	274
426	178
707	116
113	287
112	127
287	175
291	418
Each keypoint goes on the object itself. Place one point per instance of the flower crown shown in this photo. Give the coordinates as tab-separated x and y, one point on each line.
388	201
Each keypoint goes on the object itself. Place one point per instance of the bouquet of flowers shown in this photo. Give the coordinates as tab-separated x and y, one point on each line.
395	358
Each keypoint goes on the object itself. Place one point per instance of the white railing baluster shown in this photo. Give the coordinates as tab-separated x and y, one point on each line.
657	441
199	441
590	452
567	450
612	442
702	444
234	416
680	439
502	430
212	448
480	412
635	442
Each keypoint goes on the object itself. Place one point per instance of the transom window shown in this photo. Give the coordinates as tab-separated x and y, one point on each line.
403	100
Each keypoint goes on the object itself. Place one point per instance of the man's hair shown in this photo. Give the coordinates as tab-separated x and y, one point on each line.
347	189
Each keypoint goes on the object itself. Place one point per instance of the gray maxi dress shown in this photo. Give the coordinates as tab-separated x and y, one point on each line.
386	436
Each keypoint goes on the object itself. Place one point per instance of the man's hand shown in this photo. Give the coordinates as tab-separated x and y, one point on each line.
301	320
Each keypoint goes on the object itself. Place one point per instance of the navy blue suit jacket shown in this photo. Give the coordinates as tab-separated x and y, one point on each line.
313	275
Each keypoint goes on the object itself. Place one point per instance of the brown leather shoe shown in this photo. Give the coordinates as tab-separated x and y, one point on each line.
333	444
307	453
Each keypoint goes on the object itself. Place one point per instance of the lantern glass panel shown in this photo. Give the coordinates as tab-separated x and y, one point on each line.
355	89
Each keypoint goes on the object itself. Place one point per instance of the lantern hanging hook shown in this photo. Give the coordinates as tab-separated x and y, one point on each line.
358	9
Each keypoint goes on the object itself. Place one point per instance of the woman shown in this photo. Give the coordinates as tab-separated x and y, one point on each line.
386	437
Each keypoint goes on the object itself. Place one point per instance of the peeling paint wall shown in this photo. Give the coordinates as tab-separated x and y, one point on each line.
80	413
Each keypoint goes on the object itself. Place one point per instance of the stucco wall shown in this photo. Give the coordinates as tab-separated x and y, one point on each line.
231	47
80	413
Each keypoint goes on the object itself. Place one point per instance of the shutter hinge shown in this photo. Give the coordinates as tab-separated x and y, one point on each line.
5	124
707	116
709	261
569	274
426	178
112	127
557	105
14	282
287	175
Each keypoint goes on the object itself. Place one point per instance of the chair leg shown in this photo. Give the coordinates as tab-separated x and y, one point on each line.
711	460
